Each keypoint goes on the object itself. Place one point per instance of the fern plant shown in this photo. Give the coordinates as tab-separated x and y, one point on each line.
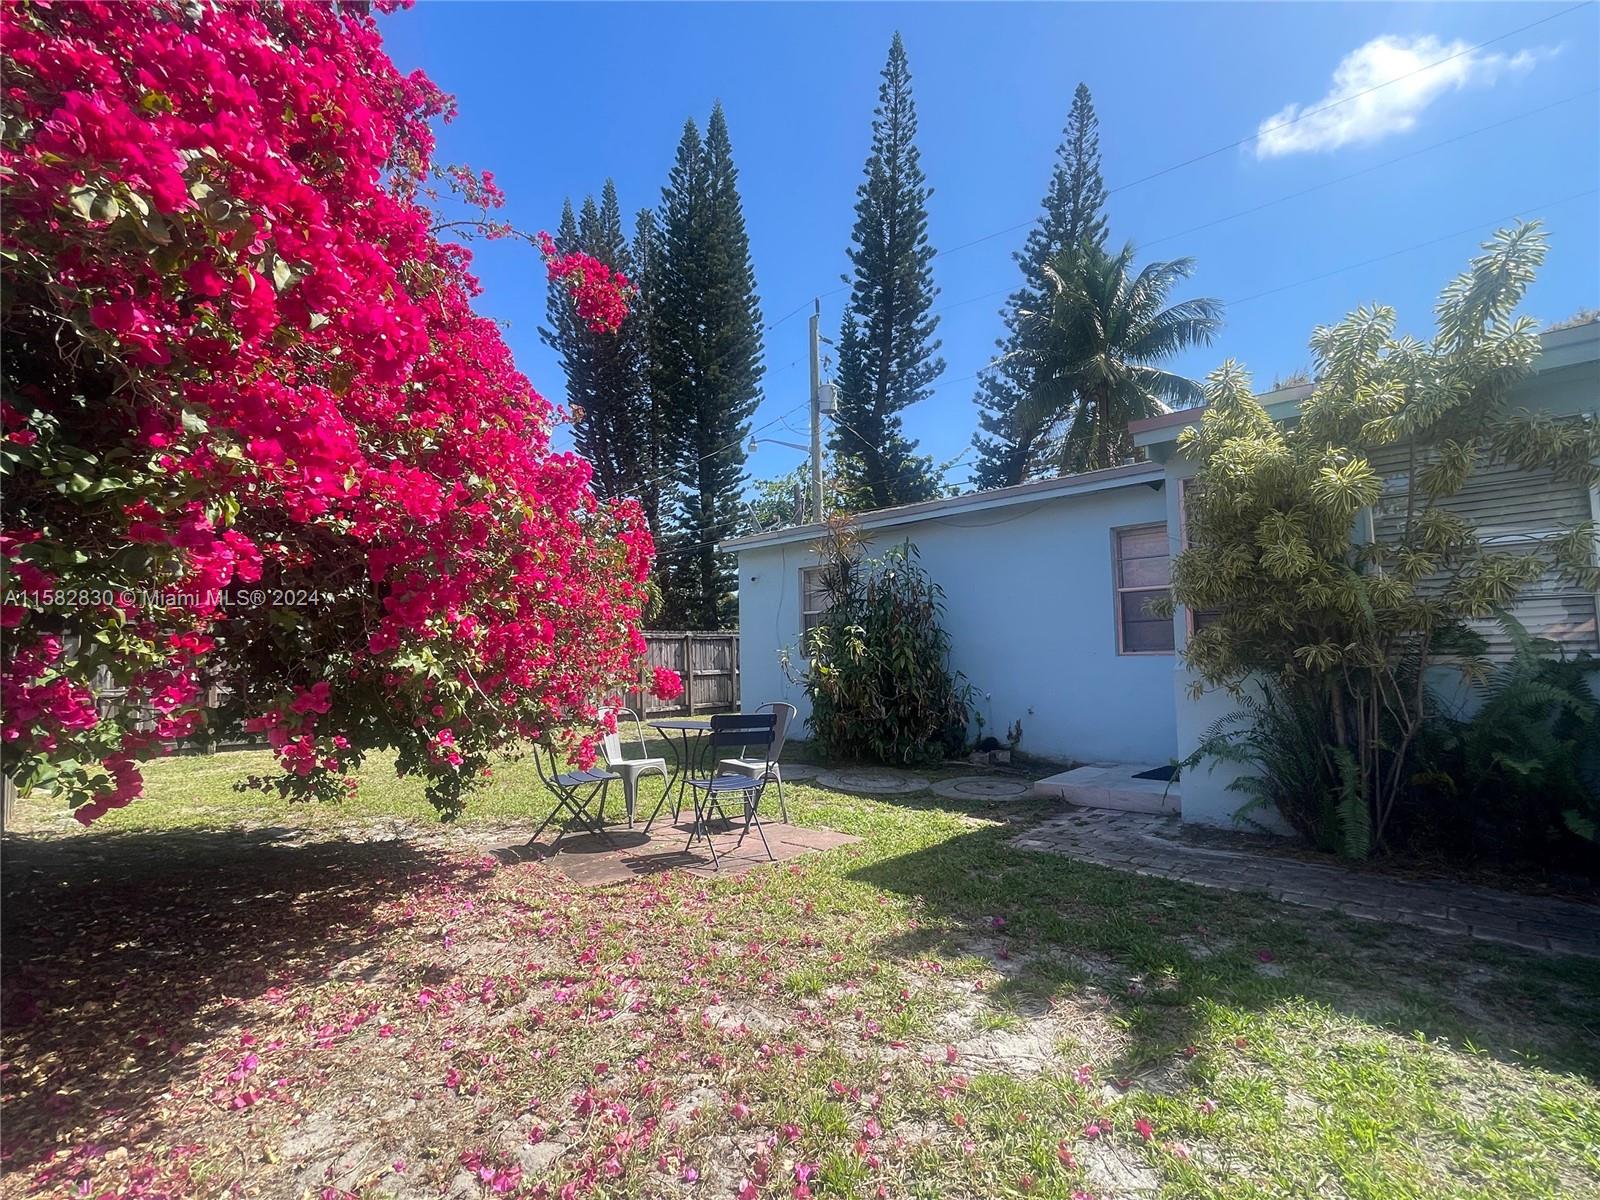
1521	774
1295	768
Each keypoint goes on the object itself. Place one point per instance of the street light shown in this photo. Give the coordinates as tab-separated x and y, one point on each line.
755	445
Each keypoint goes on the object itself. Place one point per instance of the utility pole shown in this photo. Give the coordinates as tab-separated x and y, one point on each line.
816	414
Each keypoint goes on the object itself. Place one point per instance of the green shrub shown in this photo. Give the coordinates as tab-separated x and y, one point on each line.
1520	778
879	682
1347	617
1299	770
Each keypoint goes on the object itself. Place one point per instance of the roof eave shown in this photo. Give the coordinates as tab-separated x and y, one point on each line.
928	510
1559	349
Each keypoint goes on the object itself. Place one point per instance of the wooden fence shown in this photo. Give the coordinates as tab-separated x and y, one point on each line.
708	664
706	661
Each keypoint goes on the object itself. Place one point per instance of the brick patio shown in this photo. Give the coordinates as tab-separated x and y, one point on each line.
592	862
1147	845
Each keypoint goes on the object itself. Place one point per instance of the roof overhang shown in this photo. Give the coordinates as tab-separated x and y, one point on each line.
1148	474
1576	348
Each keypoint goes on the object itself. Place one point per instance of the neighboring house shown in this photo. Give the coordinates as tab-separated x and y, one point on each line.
1045	586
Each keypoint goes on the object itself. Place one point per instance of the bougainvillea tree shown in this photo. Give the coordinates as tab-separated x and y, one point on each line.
255	438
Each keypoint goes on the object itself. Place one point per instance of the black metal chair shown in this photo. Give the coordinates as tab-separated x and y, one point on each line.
574	791
742	732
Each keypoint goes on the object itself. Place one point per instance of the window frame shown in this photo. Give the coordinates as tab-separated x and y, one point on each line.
1118	590
809	617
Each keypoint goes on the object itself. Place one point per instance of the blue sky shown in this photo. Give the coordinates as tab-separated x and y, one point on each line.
556	98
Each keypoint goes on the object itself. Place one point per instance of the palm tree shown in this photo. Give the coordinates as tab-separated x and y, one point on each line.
1095	354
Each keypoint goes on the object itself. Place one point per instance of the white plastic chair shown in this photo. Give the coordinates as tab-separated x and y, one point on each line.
767	768
630	767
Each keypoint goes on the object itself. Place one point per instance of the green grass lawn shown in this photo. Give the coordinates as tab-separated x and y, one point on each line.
213	991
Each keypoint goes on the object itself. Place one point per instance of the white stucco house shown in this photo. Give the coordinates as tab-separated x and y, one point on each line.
1045	585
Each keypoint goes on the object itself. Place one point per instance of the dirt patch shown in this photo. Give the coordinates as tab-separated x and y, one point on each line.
1027	1037
735	1018
688	1105
1117	1171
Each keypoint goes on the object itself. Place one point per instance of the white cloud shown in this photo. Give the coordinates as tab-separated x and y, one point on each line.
1390	109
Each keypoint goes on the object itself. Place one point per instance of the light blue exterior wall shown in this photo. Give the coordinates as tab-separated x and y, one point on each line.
1207	799
1029	605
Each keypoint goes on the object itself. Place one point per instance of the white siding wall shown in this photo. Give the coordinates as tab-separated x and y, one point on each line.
1029	607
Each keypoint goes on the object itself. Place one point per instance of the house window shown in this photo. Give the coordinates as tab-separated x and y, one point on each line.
814	598
1143	573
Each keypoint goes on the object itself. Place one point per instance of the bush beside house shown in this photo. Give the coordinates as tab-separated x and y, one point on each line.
879	680
1349	624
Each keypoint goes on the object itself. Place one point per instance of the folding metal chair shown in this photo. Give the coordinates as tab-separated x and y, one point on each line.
575	791
743	731
630	766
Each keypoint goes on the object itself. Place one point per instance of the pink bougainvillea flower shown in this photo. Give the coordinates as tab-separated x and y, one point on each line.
308	396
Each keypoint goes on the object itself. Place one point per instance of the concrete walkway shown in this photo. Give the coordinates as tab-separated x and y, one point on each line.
1147	844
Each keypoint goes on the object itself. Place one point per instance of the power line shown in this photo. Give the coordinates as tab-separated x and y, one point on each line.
1316	187
794	312
1443	237
1412	248
1366	262
1466	229
1237	143
1242	141
1311	112
944	384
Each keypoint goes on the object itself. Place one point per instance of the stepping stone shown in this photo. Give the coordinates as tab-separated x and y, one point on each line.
872	783
797	771
981	787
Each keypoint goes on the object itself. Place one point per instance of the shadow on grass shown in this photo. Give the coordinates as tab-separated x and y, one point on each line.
127	948
1164	952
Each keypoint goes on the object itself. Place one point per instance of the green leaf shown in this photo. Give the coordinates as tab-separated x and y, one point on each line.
105	208
82	201
283	275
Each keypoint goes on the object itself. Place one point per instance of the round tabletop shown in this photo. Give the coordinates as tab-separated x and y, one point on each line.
681	726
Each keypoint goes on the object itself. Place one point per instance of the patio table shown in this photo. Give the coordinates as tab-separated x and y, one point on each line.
678	734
